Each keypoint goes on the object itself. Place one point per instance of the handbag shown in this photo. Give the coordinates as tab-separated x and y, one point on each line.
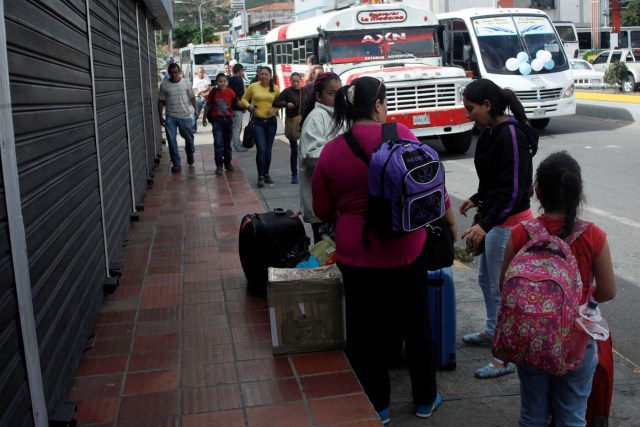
438	248
249	135
292	125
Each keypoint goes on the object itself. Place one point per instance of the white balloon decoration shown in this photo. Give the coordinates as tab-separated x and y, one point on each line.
522	57
525	68
537	64
512	64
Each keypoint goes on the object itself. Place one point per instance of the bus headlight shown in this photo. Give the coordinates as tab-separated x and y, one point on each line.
461	88
569	92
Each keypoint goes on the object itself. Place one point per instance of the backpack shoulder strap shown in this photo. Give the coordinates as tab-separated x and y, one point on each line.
535	228
390	131
578	229
355	146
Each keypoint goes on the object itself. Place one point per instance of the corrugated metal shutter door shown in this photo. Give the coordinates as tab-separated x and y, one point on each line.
14	393
157	131
131	59
49	73
112	126
146	92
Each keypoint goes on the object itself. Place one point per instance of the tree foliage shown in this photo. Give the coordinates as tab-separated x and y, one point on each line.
616	73
631	16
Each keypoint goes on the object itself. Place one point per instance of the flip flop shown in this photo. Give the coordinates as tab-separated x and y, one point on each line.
476	339
492	371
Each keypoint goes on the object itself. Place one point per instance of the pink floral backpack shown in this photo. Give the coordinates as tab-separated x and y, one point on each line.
540	298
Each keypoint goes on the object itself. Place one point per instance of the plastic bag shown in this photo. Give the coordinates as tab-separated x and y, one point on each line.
322	249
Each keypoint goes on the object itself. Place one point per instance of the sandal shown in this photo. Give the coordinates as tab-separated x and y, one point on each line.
477	339
492	371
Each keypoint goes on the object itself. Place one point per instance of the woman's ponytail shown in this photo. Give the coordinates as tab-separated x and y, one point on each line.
514	104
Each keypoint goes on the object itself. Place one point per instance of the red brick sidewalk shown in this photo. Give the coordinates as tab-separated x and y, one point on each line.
181	342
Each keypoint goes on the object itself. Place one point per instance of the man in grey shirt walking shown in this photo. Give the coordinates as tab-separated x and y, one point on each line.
176	94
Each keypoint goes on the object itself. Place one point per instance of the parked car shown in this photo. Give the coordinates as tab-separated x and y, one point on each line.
607	57
584	76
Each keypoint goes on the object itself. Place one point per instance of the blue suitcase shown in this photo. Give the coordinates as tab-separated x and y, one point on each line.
442	317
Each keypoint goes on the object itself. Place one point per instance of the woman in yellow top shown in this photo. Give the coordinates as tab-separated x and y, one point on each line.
259	99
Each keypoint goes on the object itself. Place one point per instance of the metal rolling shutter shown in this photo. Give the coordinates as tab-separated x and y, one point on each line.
154	82
148	110
50	80
129	33
112	126
14	393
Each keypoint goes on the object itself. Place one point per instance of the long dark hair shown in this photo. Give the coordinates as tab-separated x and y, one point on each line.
366	91
483	89
319	84
559	181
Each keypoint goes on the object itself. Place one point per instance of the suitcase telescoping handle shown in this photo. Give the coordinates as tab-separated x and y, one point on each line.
279	211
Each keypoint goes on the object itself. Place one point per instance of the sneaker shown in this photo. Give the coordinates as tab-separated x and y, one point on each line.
492	371
239	149
268	179
219	170
260	182
425	411
294	179
229	168
175	168
384	416
190	159
477	339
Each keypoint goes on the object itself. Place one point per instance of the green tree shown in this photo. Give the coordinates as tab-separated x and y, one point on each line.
631	16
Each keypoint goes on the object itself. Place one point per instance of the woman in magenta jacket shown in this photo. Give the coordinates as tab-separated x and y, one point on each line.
385	279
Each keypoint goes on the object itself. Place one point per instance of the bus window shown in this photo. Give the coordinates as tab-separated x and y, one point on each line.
208	58
365	46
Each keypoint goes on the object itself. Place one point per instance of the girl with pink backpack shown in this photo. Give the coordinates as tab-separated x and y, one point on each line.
558	187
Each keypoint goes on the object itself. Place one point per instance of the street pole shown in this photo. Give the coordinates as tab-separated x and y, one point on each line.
200	16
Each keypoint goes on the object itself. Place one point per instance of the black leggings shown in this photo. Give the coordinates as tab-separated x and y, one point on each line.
385	306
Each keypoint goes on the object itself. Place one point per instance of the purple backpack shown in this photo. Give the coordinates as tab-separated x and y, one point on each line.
540	298
406	183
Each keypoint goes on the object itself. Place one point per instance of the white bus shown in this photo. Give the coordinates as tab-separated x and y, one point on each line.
251	53
518	49
627	38
209	56
393	42
567	32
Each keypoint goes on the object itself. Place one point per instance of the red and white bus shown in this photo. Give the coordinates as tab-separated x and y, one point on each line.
394	42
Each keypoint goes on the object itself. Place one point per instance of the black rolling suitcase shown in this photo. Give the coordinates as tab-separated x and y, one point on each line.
270	239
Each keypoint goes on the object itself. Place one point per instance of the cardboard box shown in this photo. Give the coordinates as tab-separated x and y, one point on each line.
306	309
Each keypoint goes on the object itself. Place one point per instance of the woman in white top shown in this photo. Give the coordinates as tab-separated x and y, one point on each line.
318	128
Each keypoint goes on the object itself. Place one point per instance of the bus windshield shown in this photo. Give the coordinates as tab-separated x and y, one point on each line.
208	58
372	45
250	53
503	37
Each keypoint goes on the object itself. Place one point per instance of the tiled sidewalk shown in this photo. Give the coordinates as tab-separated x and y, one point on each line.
181	342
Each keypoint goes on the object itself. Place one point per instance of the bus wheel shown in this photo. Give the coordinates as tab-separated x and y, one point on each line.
540	123
457	143
629	84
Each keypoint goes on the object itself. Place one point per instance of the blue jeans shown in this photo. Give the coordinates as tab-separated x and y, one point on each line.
489	268
184	125
222	127
237	128
293	159
564	397
265	134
